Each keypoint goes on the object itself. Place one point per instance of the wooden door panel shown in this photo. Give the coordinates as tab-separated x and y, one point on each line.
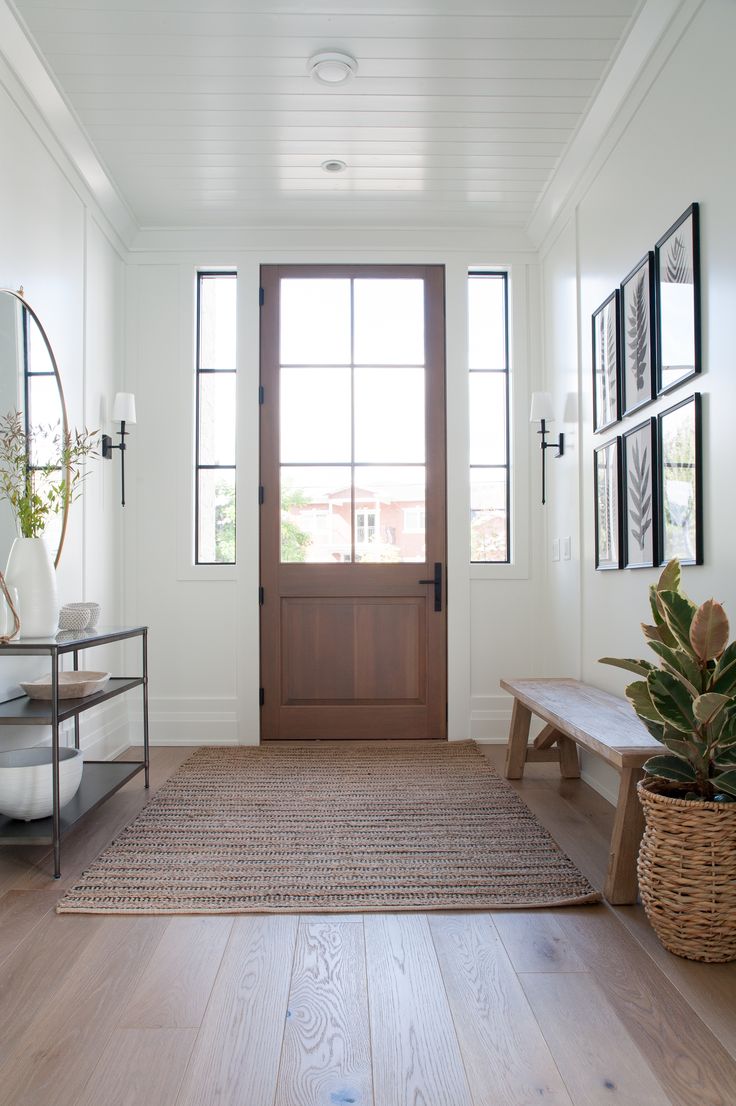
352	647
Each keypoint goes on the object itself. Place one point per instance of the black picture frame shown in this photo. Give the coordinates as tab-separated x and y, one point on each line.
677	295
607	492
638	337
639	477
680	501
606	327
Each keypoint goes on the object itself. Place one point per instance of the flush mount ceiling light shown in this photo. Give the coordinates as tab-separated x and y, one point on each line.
334	165
332	67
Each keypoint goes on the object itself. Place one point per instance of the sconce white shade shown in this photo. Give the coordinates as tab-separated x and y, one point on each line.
123	409
541	407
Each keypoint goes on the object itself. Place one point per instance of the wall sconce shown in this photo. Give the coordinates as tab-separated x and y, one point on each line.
123	410
541	412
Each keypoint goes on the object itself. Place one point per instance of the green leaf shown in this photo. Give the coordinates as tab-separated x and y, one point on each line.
679	659
709	631
641	700
679	613
707	707
656	729
726	757
724	677
726	781
641	668
670	768
671	576
679	747
672	701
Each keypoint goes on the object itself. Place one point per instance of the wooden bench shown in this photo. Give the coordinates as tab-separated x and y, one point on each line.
576	714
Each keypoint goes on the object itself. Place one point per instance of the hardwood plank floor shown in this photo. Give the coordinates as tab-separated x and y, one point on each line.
446	1009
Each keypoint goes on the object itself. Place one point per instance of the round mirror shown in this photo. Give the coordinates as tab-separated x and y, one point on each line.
31	395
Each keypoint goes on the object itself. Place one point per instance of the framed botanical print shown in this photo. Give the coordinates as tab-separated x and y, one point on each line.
639	495
606	358
677	293
638	329
607	484
680	483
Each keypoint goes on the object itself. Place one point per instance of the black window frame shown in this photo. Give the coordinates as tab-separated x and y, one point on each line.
506	371
203	274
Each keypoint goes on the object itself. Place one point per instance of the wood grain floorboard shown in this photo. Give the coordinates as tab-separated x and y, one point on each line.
690	1063
493	1019
597	1057
326	1054
535	942
236	1056
416	1056
61	1046
140	1067
20	913
174	990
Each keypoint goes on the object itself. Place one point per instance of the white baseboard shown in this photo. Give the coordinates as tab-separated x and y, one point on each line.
490	716
193	721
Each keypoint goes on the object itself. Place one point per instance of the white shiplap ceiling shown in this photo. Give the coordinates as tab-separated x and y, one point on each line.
204	114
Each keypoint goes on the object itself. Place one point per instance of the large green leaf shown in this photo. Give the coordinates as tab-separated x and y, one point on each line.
706	708
724	677
709	631
680	660
726	781
670	577
670	768
726	758
672	701
680	748
679	613
641	668
656	729
639	697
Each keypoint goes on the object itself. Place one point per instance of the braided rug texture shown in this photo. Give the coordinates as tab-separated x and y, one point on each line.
338	827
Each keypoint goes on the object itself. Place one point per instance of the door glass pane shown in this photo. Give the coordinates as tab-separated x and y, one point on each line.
488	418
389	415
389	322
315	415
316	505
216	516
217	321
315	321
217	418
488	531
44	417
486	322
390	513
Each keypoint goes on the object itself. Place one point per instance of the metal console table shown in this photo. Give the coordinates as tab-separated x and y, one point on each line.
100	778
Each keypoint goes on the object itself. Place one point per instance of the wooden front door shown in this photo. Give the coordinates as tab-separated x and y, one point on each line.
353	629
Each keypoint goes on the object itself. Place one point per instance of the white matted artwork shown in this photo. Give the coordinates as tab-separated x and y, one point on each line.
639	495
638	336
679	484
607	485
677	265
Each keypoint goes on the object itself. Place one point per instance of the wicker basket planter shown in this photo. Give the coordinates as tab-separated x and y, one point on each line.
687	874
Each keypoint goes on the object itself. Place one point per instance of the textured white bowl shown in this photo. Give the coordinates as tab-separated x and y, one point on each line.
26	783
94	613
72	685
73	617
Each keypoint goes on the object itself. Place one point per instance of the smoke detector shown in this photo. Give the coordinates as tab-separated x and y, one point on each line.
332	67
334	165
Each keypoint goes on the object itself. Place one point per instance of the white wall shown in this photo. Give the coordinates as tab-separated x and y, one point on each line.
677	147
52	243
204	621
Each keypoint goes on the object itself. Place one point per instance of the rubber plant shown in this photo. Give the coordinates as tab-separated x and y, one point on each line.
687	700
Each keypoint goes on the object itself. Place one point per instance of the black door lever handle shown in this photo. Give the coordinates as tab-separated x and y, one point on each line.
437	581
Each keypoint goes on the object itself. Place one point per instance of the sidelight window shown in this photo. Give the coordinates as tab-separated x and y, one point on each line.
214	490
489	417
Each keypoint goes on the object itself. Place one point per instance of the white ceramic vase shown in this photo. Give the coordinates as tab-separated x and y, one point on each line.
31	570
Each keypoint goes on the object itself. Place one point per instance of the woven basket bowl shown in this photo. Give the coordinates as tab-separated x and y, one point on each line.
687	874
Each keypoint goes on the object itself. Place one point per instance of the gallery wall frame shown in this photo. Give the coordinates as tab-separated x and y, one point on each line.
677	296
680	482
639	495
606	328
607	491
638	337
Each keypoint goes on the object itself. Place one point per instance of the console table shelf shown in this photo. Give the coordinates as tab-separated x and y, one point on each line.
100	779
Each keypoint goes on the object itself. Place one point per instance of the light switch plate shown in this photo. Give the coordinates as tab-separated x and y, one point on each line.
566	549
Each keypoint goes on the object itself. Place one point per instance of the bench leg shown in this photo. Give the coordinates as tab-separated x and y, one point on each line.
521	718
569	761
628	827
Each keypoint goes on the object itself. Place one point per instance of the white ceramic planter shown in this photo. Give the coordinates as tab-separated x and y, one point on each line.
26	781
31	570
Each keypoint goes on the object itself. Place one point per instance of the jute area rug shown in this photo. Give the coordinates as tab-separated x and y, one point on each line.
337	827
